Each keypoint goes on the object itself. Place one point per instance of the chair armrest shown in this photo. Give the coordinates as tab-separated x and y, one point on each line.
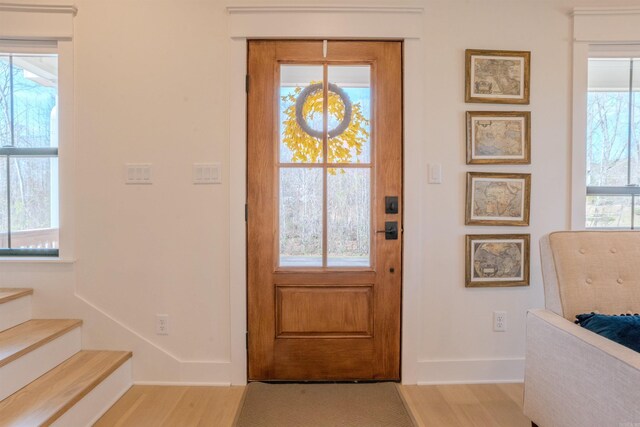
574	377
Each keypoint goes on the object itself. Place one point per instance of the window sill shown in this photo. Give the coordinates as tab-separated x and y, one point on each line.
35	260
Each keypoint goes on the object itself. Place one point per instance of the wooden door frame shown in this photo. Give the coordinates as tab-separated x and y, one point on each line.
400	23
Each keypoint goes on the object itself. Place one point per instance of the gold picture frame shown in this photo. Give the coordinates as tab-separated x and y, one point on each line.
497	260
497	76
498	137
498	198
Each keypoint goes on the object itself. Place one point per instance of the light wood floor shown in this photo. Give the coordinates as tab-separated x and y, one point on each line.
478	405
485	405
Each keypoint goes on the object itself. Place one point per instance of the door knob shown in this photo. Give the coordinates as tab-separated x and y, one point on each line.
390	230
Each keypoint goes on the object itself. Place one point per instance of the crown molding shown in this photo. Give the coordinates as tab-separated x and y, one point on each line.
600	11
38	8
255	9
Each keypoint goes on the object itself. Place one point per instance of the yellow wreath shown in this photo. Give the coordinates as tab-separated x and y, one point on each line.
308	149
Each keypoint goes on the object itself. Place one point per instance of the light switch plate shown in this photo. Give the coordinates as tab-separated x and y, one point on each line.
206	173
138	173
435	173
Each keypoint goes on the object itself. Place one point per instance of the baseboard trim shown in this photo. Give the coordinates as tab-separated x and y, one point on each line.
174	371
183	383
473	371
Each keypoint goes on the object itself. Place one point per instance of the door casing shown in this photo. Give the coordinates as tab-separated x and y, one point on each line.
264	22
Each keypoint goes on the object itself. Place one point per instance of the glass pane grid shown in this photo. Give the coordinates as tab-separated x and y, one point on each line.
28	155
340	151
613	152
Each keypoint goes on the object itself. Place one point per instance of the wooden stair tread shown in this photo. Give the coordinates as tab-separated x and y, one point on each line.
28	336
8	294
47	398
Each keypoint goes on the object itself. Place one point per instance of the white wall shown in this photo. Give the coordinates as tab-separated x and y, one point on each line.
457	322
152	86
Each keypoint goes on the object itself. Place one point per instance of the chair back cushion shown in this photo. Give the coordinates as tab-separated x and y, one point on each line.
587	271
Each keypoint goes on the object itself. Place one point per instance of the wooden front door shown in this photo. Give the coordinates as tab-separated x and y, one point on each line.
324	193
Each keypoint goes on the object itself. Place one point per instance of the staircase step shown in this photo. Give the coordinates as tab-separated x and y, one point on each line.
8	294
15	306
50	396
34	347
30	335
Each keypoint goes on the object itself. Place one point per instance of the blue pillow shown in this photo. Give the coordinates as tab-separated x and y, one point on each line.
623	329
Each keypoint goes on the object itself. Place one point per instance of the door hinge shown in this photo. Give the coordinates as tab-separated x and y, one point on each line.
246	212
246	340
246	83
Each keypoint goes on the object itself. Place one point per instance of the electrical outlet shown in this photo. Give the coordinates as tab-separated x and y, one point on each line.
499	321
162	324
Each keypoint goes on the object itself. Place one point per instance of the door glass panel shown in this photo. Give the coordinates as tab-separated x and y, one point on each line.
300	217
301	113
349	114
608	211
348	217
34	208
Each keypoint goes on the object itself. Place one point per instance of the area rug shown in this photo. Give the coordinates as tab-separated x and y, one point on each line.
323	405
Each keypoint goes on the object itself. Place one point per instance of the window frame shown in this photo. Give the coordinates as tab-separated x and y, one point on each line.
36	29
631	53
597	32
30	48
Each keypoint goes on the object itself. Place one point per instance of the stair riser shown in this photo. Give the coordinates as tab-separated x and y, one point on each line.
92	406
23	370
14	312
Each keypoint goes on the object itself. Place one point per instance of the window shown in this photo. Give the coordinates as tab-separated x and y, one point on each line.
613	149
29	202
325	169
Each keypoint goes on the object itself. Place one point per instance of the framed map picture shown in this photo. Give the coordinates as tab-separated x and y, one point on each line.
498	198
497	76
498	137
497	260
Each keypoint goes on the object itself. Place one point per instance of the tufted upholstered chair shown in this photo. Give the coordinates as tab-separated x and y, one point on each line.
574	377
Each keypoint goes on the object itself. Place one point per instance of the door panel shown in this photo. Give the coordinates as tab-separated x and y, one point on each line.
324	311
324	149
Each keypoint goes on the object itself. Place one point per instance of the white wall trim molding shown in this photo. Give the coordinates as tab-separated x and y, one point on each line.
139	336
606	25
471	371
36	22
126	328
323	8
329	22
183	383
38	8
579	136
366	22
578	11
150	360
